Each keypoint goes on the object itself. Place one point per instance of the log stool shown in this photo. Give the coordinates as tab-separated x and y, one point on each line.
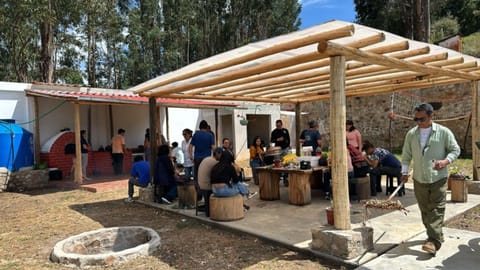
187	195
145	194
299	191
269	186
226	208
390	188
362	187
459	190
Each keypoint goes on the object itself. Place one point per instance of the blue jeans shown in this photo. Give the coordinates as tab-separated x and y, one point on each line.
230	190
188	172
253	164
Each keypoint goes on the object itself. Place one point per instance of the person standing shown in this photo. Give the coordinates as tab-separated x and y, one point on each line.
201	146
256	157
85	149
431	147
139	176
354	136
280	137
187	160
311	136
118	150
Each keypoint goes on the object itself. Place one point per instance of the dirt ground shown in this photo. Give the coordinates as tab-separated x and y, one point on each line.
32	223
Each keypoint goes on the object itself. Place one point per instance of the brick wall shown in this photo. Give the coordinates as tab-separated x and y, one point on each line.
99	163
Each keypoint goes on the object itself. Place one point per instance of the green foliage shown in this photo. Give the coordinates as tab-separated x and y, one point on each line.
443	28
121	43
471	44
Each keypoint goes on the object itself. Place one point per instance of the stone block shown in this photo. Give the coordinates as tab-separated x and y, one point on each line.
145	194
27	180
473	187
346	244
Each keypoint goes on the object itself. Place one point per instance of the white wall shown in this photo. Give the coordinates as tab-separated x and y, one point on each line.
15	105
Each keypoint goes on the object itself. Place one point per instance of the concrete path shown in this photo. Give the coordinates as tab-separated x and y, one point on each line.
461	250
394	232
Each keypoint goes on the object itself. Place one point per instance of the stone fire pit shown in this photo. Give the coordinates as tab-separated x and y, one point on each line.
106	246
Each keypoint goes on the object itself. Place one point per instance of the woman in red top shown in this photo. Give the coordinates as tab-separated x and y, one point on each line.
353	135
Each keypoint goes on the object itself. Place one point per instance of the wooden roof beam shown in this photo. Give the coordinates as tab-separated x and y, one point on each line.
230	98
373	39
399	55
340	32
335	49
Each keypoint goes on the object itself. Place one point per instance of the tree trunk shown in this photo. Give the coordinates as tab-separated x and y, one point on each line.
421	20
46	37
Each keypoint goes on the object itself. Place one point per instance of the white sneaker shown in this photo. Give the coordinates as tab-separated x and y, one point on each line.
251	195
129	200
166	201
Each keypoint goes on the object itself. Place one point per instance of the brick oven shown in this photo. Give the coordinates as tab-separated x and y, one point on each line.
55	152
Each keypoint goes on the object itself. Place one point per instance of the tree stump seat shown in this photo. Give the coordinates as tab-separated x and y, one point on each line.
145	194
187	195
362	187
226	208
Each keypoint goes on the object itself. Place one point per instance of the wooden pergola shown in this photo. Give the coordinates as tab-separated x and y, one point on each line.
331	61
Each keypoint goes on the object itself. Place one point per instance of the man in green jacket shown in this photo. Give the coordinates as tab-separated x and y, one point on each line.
431	147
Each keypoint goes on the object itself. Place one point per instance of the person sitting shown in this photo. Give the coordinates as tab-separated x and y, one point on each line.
177	155
381	162
165	183
139	176
226	180
204	176
360	166
328	176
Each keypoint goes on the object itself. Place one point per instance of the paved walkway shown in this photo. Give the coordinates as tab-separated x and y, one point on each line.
397	237
394	232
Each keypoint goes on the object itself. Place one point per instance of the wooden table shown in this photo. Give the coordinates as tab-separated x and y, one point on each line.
299	190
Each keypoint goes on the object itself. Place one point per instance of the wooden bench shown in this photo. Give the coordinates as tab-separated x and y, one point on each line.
226	208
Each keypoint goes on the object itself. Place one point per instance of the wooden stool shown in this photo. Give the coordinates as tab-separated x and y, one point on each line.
299	192
459	190
389	188
226	208
187	195
145	194
362	187
269	186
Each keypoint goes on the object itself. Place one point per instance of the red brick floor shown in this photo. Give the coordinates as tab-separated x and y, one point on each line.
96	184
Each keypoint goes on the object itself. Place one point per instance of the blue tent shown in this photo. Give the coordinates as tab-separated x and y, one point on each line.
16	146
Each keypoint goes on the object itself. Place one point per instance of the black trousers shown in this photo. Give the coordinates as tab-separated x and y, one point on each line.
117	163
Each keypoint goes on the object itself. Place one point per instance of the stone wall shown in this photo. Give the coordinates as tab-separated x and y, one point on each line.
22	180
370	116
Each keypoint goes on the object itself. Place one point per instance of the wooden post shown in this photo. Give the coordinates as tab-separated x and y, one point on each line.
152	105
475	128
338	143
298	127
78	149
37	130
216	128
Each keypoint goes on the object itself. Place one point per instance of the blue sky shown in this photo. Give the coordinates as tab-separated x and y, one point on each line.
319	11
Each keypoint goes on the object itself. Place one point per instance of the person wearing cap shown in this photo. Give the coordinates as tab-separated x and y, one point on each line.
430	148
311	136
204	171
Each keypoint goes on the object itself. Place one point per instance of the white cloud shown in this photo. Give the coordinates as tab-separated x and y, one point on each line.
323	3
